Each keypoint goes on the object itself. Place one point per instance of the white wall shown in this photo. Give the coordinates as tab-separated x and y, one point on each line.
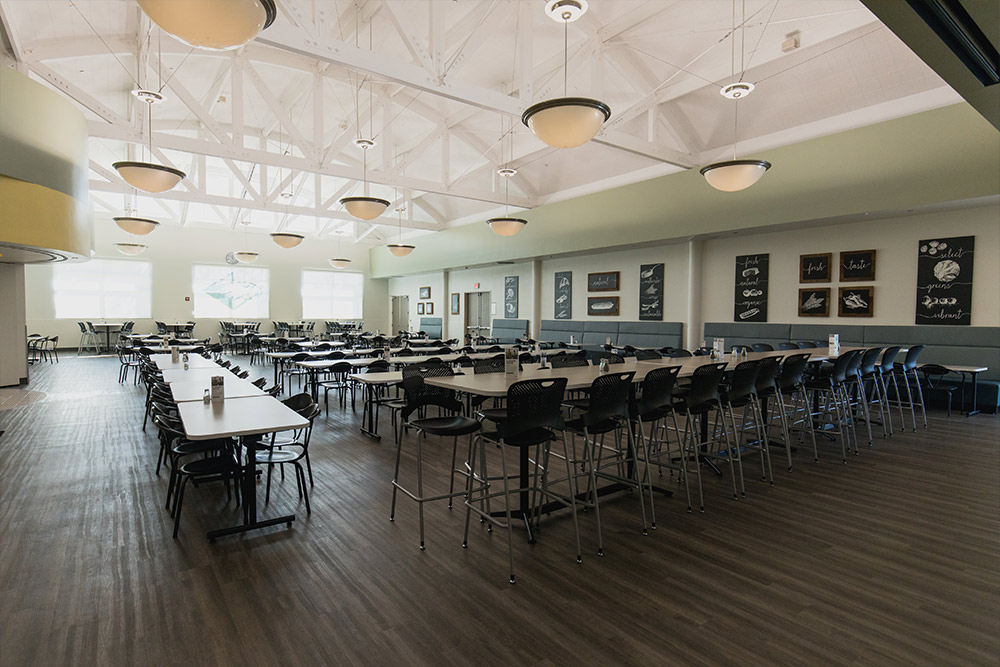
174	250
894	239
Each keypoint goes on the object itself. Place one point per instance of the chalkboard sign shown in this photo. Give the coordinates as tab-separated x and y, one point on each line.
510	297
750	302
651	292
857	265
815	268
856	302
814	302
602	282
563	303
602	305
944	280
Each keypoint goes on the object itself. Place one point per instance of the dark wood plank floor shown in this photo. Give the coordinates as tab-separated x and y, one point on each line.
891	559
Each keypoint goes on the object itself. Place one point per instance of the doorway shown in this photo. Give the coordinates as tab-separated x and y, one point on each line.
477	313
400	314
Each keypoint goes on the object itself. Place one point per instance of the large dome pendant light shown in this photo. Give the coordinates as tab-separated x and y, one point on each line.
285	239
339	262
149	176
400	249
134	226
735	175
566	122
365	208
506	225
246	256
217	25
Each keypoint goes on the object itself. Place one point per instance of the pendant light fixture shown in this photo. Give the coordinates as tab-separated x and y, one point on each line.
217	25
130	248
735	175
506	225
246	256
366	207
134	224
400	249
566	122
339	262
286	239
149	176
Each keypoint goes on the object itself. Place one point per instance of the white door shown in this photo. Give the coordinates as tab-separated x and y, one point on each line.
400	314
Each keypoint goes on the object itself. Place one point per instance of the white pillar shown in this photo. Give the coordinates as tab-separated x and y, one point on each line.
445	310
535	323
693	326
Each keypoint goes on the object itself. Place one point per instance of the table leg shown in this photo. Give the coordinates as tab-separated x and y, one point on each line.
369	412
248	480
974	408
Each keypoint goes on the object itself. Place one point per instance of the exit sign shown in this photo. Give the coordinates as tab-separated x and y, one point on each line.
475	285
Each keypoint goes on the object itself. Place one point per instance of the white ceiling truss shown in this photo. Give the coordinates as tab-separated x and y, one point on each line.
267	131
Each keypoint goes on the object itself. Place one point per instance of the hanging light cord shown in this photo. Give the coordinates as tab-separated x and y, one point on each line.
565	56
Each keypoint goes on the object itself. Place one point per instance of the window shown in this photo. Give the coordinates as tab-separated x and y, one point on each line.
332	295
103	288
230	291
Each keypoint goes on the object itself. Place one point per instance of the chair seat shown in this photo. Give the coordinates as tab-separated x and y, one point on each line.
278	456
195	447
211	466
493	414
605	426
577	403
656	414
529	438
446	426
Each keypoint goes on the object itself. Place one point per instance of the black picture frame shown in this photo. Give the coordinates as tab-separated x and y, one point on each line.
510	293
814	302
455	303
856	301
816	268
651	295
857	266
425	293
606	281
944	280
601	306
562	300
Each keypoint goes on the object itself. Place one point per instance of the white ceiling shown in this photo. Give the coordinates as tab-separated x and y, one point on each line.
443	81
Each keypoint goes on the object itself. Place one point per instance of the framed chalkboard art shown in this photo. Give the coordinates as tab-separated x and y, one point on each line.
944	280
814	302
815	268
563	297
857	266
856	302
750	289
510	294
602	305
603	282
651	292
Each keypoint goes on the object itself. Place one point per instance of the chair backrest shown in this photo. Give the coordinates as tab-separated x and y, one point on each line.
657	389
792	370
645	355
491	365
854	366
805	344
679	352
418	393
705	384
608	397
299	402
889	357
869	359
533	404
613	358
910	361
744	380
787	346
378	366
405	352
841	365
768	372
567	361
83	327
495	348
762	347
465	361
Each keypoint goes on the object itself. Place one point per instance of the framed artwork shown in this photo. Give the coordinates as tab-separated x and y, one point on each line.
510	293
563	298
425	293
603	282
815	268
944	280
420	308
814	302
602	305
856	302
455	303
429	310
651	292
750	289
857	266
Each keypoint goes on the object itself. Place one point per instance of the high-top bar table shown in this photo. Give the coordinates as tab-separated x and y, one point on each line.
243	418
108	327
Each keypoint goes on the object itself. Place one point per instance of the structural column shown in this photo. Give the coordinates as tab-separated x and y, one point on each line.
693	325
